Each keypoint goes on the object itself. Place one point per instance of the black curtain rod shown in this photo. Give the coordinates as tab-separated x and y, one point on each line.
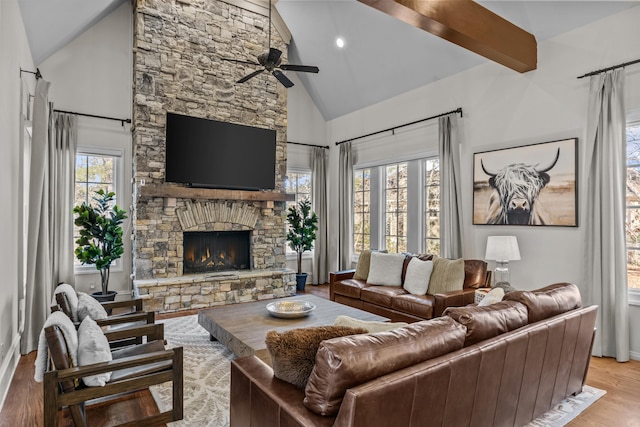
604	70
307	145
458	110
122	121
35	73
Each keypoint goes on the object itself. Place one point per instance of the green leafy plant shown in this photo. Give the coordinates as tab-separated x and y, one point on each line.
100	241
303	225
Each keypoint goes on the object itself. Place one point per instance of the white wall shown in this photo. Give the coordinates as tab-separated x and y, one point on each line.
93	74
15	54
504	109
305	124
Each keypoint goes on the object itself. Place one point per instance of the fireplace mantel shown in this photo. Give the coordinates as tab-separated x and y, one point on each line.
159	190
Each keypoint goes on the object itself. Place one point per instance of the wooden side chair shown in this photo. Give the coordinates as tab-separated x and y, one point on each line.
133	318
133	368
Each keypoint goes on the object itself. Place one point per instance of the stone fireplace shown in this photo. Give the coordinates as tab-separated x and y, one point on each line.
178	46
207	251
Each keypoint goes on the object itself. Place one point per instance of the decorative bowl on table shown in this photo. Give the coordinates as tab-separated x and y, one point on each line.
290	309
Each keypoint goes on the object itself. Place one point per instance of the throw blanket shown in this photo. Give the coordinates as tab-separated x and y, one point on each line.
61	320
72	297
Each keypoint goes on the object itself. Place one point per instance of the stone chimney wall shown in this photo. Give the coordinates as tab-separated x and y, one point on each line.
177	66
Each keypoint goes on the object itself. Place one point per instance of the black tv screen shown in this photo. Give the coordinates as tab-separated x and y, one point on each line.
212	154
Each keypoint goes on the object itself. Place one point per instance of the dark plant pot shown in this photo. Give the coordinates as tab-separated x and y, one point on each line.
301	280
109	296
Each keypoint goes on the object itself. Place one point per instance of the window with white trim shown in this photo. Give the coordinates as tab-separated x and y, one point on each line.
432	205
397	207
95	170
297	182
632	225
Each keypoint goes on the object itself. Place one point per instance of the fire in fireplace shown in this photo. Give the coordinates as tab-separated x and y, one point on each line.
207	251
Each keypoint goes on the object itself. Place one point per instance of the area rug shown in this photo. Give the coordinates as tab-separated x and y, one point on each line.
207	381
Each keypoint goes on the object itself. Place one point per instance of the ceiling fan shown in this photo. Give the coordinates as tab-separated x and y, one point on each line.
272	63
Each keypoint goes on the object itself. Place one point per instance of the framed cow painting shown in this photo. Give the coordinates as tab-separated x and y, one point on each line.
528	185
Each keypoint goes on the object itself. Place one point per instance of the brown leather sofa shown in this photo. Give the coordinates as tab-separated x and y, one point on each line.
500	377
399	305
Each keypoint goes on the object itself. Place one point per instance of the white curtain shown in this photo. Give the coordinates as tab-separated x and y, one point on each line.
605	264
50	239
319	200
345	206
62	159
450	187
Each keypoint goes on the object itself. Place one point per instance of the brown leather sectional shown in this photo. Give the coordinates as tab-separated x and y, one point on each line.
490	367
399	305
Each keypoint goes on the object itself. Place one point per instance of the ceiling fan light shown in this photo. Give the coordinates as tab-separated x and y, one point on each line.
340	42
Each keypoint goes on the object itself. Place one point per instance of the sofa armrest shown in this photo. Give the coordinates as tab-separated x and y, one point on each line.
338	276
452	299
259	399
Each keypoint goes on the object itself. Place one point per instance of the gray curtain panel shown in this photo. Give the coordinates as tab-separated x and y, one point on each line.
39	286
604	262
62	156
345	206
51	190
319	200
450	187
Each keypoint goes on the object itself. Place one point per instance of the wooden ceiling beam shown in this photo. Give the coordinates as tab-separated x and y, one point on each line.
469	25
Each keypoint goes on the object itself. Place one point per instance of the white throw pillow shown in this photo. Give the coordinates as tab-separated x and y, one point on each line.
494	296
370	325
89	306
385	269
416	280
93	347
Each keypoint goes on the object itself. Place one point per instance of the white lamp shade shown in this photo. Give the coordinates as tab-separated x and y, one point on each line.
502	248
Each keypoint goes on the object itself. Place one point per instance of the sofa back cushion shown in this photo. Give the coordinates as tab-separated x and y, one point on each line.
475	273
548	301
484	322
342	363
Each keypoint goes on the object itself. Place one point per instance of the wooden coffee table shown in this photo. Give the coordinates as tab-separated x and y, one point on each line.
243	327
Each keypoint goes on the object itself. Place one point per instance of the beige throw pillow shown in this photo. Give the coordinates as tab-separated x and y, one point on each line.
370	325
362	269
416	280
93	347
386	269
447	276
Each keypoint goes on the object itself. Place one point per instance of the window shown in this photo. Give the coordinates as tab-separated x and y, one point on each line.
94	171
298	183
396	208
633	206
432	206
361	210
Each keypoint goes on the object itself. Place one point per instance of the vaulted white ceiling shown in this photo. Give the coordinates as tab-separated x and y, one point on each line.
382	56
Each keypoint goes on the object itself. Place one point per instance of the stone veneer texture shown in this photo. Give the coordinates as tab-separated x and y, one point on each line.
178	46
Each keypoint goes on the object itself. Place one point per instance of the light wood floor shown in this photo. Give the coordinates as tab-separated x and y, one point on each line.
620	407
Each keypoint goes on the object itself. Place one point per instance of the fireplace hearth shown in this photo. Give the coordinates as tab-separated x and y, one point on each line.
212	251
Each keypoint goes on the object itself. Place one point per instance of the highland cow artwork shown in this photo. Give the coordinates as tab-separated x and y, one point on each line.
528	185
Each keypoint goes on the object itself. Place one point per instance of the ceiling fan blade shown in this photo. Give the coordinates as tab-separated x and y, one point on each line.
239	61
274	55
302	68
282	78
249	76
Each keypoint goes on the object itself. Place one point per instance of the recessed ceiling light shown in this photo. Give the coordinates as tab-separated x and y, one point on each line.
339	42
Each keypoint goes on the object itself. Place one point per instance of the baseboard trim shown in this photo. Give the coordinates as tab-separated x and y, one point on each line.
635	355
8	368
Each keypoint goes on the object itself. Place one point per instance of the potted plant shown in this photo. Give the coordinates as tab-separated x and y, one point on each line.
303	225
100	241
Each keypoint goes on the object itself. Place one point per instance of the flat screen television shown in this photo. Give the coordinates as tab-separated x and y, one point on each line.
212	154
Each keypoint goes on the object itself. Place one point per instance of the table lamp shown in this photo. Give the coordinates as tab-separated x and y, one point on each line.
502	249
